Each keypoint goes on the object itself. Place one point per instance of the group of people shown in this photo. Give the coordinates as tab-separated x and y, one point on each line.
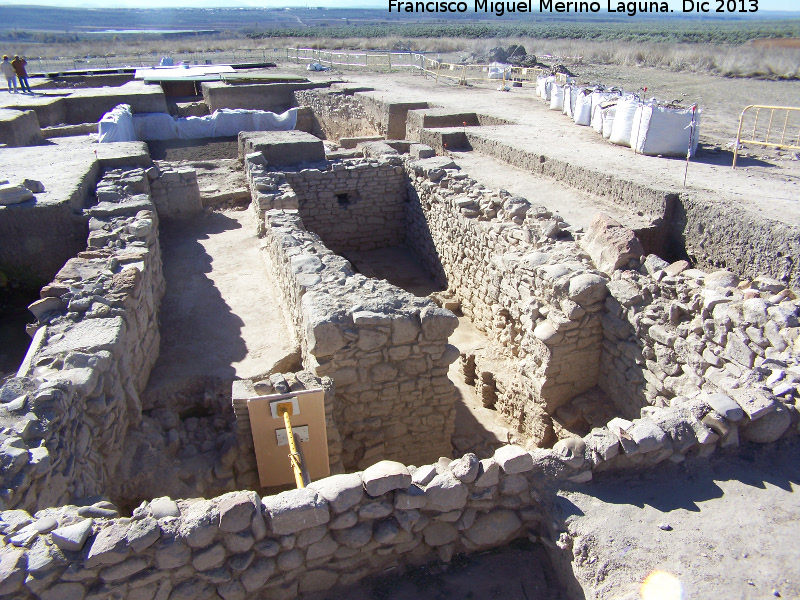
15	70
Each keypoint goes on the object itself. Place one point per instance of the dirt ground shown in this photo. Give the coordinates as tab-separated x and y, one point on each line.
768	183
221	314
205	149
520	571
726	527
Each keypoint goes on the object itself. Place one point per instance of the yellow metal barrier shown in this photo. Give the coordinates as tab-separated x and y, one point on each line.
790	121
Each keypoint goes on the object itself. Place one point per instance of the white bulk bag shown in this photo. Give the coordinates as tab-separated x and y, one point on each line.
548	87
582	113
597	119
541	81
116	125
570	99
623	121
557	98
658	130
608	120
154	126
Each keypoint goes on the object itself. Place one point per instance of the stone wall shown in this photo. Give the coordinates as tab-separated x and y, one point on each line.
336	114
537	298
672	334
385	349
357	205
77	391
342	528
174	190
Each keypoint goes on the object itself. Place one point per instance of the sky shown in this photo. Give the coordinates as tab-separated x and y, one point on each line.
763	5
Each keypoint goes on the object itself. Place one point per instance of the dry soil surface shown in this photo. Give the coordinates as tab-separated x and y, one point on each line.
727	527
221	315
767	185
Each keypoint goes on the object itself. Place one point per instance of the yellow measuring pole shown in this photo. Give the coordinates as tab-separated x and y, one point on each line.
285	410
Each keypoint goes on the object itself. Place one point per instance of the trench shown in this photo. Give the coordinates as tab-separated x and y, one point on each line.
478	429
14	316
220	320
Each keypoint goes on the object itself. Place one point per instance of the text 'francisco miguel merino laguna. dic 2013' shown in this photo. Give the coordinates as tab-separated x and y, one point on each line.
612	6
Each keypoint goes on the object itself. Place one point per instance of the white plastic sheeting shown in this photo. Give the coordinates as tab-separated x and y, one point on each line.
120	125
155	126
557	98
117	125
658	130
623	121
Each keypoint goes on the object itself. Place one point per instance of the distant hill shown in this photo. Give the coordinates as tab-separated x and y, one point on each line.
23	22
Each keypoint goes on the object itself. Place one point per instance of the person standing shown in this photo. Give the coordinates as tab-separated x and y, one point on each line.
10	73
19	66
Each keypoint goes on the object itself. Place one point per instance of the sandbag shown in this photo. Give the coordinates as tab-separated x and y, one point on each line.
548	87
557	98
597	119
608	120
116	125
154	126
623	120
658	130
582	113
540	85
570	96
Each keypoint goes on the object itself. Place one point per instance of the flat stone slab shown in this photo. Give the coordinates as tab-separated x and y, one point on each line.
435	162
89	335
755	403
284	148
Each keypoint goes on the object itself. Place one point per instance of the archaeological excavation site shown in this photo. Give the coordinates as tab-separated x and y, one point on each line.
287	337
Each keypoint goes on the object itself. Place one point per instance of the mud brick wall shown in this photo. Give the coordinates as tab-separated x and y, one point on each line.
537	298
692	334
385	349
78	388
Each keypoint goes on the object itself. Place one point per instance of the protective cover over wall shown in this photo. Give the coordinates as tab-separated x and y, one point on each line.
117	125
120	125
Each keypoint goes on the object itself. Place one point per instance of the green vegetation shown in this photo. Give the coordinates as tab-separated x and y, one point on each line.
662	31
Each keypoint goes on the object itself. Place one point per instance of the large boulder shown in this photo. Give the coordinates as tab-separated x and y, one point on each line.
610	245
